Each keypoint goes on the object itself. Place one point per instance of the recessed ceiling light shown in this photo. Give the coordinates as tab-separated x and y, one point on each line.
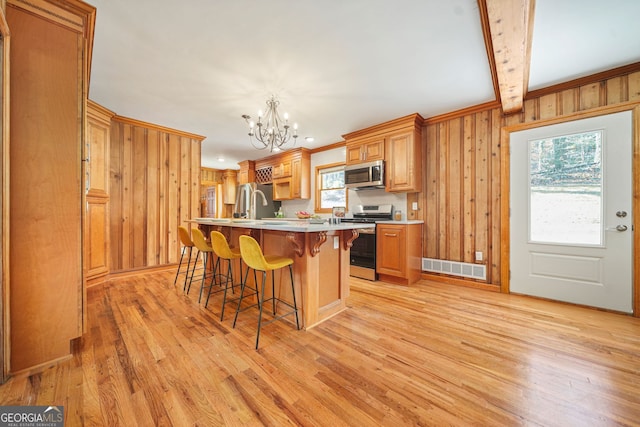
221	159
308	138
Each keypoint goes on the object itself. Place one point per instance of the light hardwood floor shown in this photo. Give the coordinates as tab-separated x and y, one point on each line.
430	354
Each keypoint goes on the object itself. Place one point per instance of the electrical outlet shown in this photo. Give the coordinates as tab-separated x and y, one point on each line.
479	256
414	206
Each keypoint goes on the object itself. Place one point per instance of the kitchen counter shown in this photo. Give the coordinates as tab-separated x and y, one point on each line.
403	222
320	254
282	224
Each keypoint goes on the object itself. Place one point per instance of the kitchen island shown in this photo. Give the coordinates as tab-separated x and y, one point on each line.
321	260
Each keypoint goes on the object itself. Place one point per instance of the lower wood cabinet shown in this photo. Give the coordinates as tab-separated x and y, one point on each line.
399	252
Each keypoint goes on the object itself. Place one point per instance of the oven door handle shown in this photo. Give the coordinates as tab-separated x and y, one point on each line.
366	230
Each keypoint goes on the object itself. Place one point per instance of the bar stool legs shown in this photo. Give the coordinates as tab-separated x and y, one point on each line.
254	258
187	287
273	299
187	246
222	250
207	254
188	249
254	291
207	259
226	279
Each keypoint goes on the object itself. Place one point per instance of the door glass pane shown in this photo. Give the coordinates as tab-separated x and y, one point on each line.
565	189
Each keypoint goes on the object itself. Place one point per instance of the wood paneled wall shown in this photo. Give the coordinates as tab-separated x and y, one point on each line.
154	188
462	189
461	201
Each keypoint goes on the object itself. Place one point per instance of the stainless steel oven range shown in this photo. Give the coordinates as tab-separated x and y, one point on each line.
363	251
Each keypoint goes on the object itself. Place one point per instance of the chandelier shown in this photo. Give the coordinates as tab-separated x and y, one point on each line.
272	130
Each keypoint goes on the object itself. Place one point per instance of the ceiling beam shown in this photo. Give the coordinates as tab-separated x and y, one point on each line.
510	25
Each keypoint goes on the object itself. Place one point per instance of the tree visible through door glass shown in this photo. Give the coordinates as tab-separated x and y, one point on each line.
565	189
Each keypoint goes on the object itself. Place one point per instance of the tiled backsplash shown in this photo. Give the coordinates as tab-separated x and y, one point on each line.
378	197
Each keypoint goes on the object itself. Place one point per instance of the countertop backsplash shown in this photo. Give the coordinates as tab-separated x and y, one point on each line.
378	197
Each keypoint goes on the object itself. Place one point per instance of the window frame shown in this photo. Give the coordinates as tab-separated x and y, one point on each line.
318	190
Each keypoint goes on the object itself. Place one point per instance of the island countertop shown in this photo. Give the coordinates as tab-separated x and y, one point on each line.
276	224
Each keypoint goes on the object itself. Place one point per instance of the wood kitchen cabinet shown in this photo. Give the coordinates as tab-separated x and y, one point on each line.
247	172
282	170
366	151
300	177
397	142
399	252
291	172
404	165
50	57
229	186
96	220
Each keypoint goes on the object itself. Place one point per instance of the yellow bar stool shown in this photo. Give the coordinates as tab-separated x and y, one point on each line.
254	258
224	252
187	246
206	250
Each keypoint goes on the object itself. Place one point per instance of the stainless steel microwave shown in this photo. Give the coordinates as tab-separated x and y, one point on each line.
364	175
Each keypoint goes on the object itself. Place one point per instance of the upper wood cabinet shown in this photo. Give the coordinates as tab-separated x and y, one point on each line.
404	162
247	172
300	178
209	176
399	144
291	173
229	185
283	169
365	151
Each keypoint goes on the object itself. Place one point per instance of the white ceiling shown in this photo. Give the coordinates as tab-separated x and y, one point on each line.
336	66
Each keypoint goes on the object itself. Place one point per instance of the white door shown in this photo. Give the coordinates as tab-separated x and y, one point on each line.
571	220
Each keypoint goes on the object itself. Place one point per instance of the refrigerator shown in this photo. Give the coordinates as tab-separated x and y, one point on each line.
245	197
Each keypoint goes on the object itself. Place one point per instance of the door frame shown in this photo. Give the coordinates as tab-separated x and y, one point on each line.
4	201
505	176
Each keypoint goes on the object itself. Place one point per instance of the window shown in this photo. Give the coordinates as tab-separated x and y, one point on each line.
330	189
565	187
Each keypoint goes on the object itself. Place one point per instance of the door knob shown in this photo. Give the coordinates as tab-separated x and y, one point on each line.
619	227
